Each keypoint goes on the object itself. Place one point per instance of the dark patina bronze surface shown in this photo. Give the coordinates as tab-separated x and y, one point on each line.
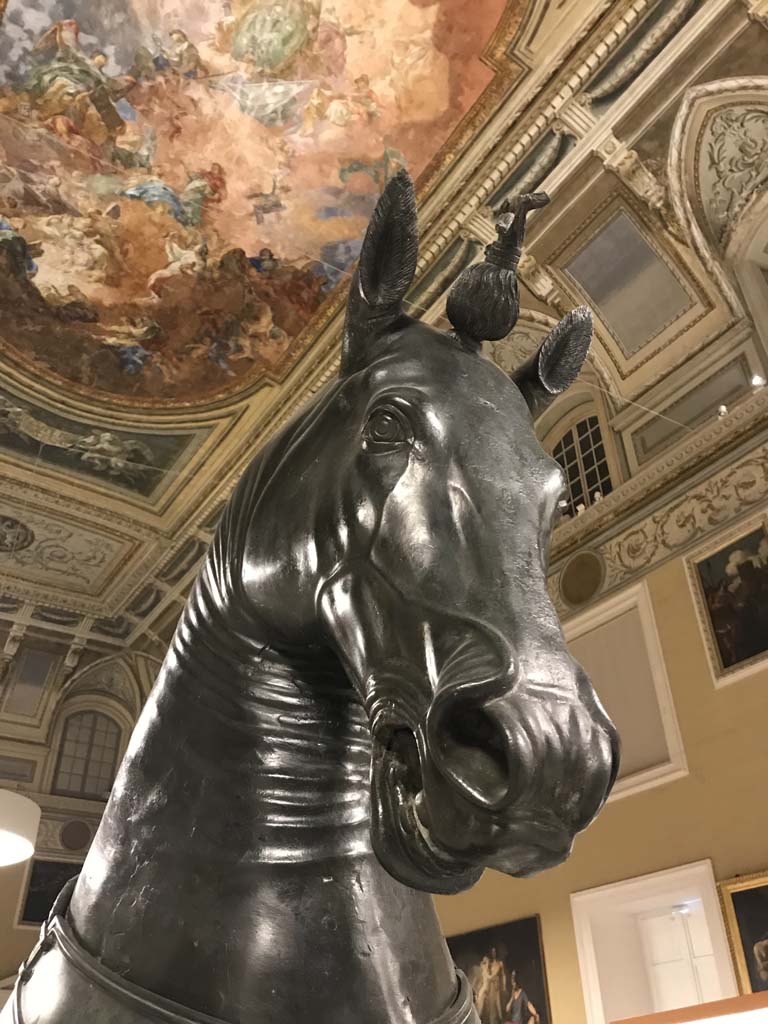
368	697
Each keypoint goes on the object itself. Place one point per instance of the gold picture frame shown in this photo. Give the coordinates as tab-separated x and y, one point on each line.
744	901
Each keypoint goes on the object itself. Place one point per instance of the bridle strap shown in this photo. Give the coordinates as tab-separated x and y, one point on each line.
57	933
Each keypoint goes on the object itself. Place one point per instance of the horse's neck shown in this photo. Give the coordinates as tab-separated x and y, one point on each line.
233	872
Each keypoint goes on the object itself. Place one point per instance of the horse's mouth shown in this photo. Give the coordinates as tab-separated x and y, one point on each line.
401	832
407	844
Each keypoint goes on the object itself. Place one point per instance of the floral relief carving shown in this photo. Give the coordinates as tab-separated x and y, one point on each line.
62	551
14	535
735	163
718	501
511	352
112	680
48	834
116	686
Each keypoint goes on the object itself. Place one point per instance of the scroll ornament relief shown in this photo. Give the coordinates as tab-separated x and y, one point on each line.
60	551
734	163
112	680
684	522
671	530
14	535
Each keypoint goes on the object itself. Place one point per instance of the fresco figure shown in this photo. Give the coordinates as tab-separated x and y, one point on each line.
271	35
183	56
183	118
191	261
491	989
63	37
519	1009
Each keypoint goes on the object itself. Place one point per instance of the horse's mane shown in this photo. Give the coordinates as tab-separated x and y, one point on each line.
221	575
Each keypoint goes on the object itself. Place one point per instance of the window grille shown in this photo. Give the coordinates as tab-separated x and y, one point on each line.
581	453
88	756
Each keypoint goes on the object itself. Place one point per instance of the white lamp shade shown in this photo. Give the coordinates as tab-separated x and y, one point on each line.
19	821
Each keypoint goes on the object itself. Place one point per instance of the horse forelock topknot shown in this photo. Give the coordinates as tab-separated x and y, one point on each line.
483	304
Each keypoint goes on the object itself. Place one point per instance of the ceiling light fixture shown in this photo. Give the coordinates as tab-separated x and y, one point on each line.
722	411
19	821
758	381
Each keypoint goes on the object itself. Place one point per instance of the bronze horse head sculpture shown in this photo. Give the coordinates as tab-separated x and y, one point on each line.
368	697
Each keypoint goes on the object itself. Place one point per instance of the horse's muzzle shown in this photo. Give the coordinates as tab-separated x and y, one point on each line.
525	773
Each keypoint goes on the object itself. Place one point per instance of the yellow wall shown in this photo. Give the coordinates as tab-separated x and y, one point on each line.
716	812
15	943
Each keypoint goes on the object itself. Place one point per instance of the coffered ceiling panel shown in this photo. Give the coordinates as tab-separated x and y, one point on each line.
619	272
37	547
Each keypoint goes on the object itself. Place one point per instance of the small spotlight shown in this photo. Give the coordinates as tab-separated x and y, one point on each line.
758	381
722	411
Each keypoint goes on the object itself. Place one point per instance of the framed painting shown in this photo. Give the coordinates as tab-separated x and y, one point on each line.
46	879
730	585
505	966
745	907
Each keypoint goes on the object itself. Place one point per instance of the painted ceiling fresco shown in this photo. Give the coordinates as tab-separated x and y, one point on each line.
183	182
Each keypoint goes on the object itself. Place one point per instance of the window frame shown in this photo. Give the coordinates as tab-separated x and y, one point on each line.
586	416
82	794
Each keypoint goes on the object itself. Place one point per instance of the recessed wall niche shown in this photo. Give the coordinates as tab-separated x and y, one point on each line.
652	943
617	643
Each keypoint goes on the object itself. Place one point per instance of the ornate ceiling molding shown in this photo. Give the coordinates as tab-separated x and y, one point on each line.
678	465
679	524
700	104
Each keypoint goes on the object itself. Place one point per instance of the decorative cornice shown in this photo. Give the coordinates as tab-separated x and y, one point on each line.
522	135
680	524
643	52
630	169
677	466
757	10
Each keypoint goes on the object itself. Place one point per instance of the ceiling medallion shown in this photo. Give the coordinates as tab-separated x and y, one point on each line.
14	535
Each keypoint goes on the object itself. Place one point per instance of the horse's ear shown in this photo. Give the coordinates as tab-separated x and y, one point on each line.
385	271
557	363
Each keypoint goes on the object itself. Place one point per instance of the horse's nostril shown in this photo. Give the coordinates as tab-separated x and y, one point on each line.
472	750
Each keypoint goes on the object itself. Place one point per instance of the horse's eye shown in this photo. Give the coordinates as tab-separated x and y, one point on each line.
386	429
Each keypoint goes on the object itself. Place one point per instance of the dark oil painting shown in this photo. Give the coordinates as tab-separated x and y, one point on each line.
505	967
46	880
745	903
751	909
734	582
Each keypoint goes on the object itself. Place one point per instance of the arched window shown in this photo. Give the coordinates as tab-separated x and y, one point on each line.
581	453
88	756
